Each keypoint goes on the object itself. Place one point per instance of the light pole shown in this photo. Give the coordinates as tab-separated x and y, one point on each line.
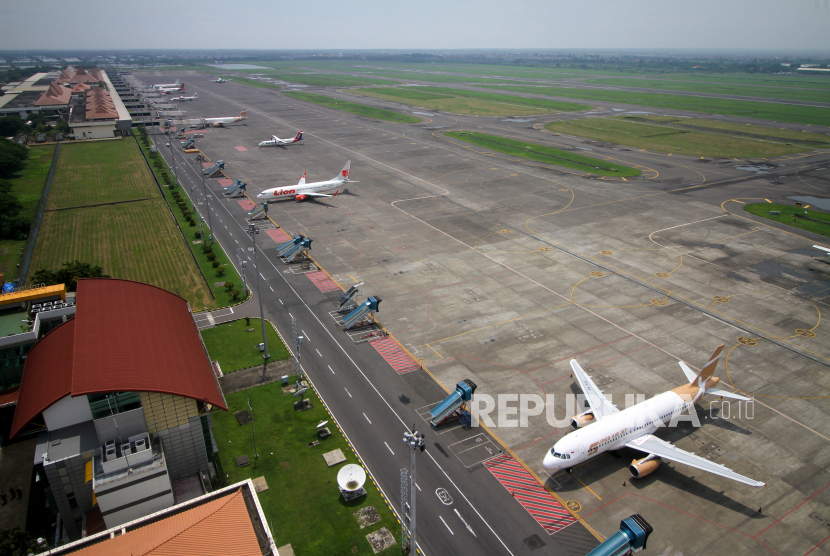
207	202
298	345
242	264
415	443
252	230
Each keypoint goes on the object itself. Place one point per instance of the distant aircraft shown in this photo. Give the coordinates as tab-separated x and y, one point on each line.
604	427
220	80
219	122
303	190
166	85
185	98
277	142
167	90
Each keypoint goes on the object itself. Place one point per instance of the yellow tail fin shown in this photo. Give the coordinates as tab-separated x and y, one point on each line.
709	369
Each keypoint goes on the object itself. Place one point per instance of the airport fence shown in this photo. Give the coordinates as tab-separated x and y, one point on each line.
29	248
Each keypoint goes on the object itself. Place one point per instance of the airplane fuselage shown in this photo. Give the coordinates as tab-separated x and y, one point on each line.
299	190
614	431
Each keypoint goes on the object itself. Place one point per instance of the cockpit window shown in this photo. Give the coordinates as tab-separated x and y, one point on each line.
558	455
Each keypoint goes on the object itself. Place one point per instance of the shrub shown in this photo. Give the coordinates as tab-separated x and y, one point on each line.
191	222
207	248
229	286
211	256
215	264
220	270
187	214
234	294
198	235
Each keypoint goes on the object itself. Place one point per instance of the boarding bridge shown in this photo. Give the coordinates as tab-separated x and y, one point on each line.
217	167
163	106
285	247
346	303
189	144
453	406
259	211
630	539
171	113
236	189
364	315
298	252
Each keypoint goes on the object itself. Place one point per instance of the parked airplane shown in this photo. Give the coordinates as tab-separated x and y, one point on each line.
168	90
219	122
604	427
304	190
277	142
166	85
220	80
185	98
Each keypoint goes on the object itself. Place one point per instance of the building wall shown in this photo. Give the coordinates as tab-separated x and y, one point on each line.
67	481
129	423
135	496
66	412
165	411
184	448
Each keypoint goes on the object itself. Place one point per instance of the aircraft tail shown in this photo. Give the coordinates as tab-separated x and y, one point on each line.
243	114
177	83
709	369
344	173
299	136
302	180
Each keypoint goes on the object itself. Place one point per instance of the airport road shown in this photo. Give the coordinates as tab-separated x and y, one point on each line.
464	248
353	380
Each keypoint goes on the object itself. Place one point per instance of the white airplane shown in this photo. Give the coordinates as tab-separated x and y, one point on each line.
277	142
185	98
166	85
168	90
604	427
304	190
220	80
219	122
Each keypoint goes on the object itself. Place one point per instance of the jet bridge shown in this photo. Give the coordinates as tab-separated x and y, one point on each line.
260	211
453	406
346	303
363	315
190	143
630	539
217	167
236	189
297	252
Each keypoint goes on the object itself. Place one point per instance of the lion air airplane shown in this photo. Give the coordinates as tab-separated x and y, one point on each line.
604	427
168	90
219	122
185	98
304	190
166	85
277	142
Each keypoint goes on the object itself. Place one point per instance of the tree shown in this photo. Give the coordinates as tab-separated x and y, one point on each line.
12	224
69	274
17	542
12	125
12	157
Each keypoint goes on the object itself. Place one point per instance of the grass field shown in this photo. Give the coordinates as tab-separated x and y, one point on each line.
469	102
252	82
27	185
432	78
804	81
743	108
547	155
749	90
354	108
303	504
136	241
787	217
331	80
236	349
100	172
693	136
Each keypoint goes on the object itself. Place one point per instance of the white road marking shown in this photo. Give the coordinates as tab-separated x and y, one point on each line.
263	277
305	335
445	525
367	418
390	449
332	370
467	525
347	392
289	314
318	352
281	303
270	288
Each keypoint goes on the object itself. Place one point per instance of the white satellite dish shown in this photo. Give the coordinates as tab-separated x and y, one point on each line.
351	477
322	424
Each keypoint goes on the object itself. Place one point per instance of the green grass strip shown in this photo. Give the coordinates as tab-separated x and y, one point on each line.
743	108
252	82
547	155
331	80
435	93
235	348
354	108
303	502
795	217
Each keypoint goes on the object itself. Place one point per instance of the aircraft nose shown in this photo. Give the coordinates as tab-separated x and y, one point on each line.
549	461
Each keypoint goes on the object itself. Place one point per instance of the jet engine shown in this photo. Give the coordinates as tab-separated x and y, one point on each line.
642	467
579	421
301	197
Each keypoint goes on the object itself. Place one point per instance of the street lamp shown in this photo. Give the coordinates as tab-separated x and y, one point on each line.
242	263
252	231
415	443
207	202
297	346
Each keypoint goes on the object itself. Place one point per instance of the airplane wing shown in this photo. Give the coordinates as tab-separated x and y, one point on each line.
317	195
599	403
653	445
690	374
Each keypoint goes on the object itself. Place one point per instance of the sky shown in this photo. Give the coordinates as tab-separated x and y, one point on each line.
426	24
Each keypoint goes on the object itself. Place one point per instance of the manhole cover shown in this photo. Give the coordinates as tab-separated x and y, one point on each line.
242	417
534	542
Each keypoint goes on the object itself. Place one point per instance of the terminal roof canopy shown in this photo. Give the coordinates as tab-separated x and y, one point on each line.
125	337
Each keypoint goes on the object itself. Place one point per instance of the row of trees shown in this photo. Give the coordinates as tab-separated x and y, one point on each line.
13	225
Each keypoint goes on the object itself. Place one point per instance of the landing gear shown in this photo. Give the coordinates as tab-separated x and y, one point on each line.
569	469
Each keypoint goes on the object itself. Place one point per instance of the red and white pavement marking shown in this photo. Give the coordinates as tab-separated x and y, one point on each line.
322	280
207	164
395	356
224	182
241	148
277	235
544	508
247	205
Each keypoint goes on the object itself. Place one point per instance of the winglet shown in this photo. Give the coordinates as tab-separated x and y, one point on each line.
709	369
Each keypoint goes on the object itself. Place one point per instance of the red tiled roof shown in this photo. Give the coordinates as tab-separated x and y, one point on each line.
80	88
222	526
99	105
82	76
126	337
55	95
